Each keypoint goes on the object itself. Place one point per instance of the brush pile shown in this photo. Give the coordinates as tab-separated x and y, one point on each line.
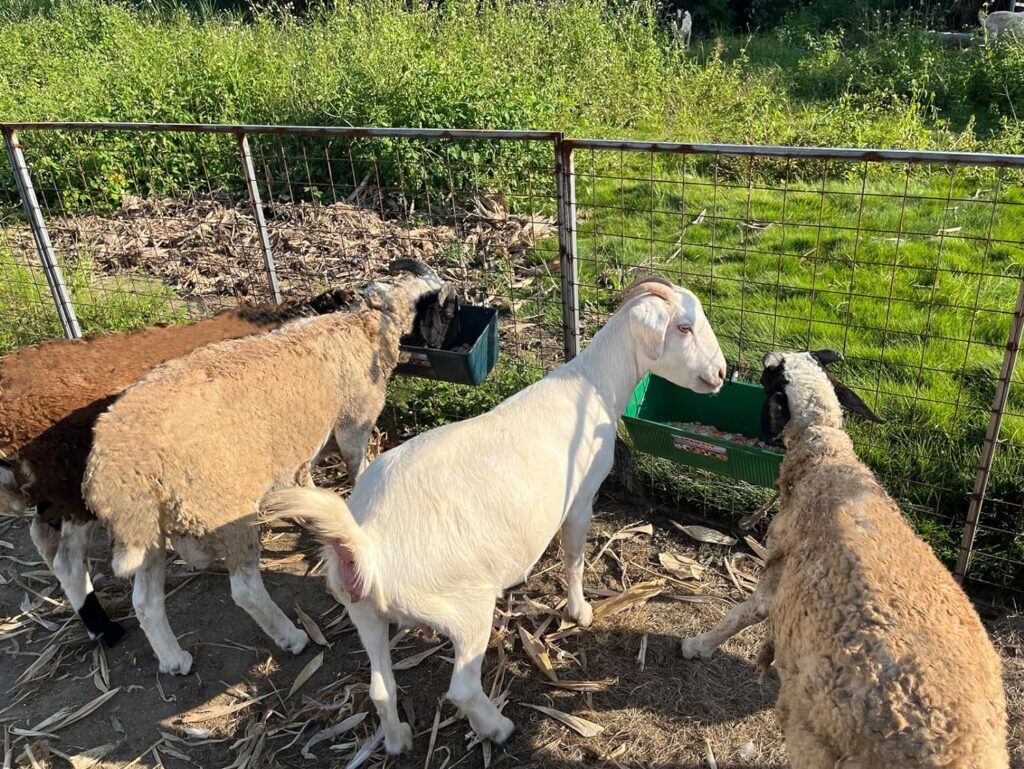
209	248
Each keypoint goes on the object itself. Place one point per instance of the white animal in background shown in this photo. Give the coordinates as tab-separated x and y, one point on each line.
681	28
189	452
999	23
882	660
437	528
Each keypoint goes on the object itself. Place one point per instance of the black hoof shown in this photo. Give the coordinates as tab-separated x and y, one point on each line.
113	633
500	748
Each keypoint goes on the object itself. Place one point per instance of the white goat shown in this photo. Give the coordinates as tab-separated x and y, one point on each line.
441	525
999	23
189	452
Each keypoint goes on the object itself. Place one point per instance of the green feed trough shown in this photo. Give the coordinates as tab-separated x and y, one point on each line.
658	406
478	328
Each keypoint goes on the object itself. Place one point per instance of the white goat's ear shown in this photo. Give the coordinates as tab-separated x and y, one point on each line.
648	322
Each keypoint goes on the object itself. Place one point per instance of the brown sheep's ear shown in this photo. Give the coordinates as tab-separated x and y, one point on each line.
825	357
853	402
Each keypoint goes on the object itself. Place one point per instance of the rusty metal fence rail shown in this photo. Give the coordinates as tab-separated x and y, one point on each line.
911	263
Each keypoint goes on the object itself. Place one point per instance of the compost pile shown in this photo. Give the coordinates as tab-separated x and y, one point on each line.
713	432
207	249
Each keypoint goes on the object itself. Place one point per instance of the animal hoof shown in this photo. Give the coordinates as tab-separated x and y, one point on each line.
499	736
113	633
584	615
692	649
177	665
296	642
400	742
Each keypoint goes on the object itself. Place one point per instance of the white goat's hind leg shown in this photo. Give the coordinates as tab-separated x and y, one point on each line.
469	637
148	598
373	632
249	592
750	612
71	565
574	542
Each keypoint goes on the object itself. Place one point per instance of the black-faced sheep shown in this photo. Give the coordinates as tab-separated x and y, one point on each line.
883	661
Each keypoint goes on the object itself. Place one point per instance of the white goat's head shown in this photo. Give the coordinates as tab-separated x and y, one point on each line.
673	336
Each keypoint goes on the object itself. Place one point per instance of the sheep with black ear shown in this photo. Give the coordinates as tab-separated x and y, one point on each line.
883	661
50	397
189	452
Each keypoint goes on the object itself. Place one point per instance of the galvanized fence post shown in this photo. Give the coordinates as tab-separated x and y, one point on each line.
257	212
565	190
991	442
54	278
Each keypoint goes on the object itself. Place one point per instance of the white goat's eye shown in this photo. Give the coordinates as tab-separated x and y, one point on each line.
686	329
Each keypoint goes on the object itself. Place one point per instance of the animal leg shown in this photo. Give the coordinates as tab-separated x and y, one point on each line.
249	592
574	541
46	539
148	599
469	639
71	565
373	632
750	612
353	443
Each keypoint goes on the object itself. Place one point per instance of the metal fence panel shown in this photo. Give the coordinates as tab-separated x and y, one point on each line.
908	262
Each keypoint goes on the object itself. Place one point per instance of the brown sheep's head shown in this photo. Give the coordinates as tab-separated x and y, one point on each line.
801	380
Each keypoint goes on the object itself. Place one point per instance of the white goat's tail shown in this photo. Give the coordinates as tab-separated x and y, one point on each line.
326	515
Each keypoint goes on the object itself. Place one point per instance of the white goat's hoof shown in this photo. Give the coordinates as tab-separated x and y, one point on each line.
179	664
501	732
401	742
295	642
584	615
693	649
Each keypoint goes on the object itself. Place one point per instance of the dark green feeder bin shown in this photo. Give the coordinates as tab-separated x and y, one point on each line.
736	409
478	327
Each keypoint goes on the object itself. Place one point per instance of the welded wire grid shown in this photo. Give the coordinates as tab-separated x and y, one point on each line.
910	270
27	313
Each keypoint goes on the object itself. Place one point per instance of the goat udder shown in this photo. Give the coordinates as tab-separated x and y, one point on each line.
350	578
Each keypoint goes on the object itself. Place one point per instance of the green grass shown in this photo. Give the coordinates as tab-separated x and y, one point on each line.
914	280
28	314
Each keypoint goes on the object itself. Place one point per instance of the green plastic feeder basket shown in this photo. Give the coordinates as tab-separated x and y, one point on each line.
478	327
736	409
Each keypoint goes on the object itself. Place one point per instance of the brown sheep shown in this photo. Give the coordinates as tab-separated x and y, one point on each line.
50	397
883	661
189	451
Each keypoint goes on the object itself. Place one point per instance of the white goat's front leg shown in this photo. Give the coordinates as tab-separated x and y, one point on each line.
469	638
148	599
249	592
574	542
750	612
373	632
353	443
70	563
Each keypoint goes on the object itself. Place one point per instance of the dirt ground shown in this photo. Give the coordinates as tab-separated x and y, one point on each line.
247	704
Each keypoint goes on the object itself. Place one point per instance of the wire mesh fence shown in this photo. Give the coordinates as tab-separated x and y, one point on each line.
911	264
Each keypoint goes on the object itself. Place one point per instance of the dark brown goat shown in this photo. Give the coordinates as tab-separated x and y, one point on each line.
51	395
